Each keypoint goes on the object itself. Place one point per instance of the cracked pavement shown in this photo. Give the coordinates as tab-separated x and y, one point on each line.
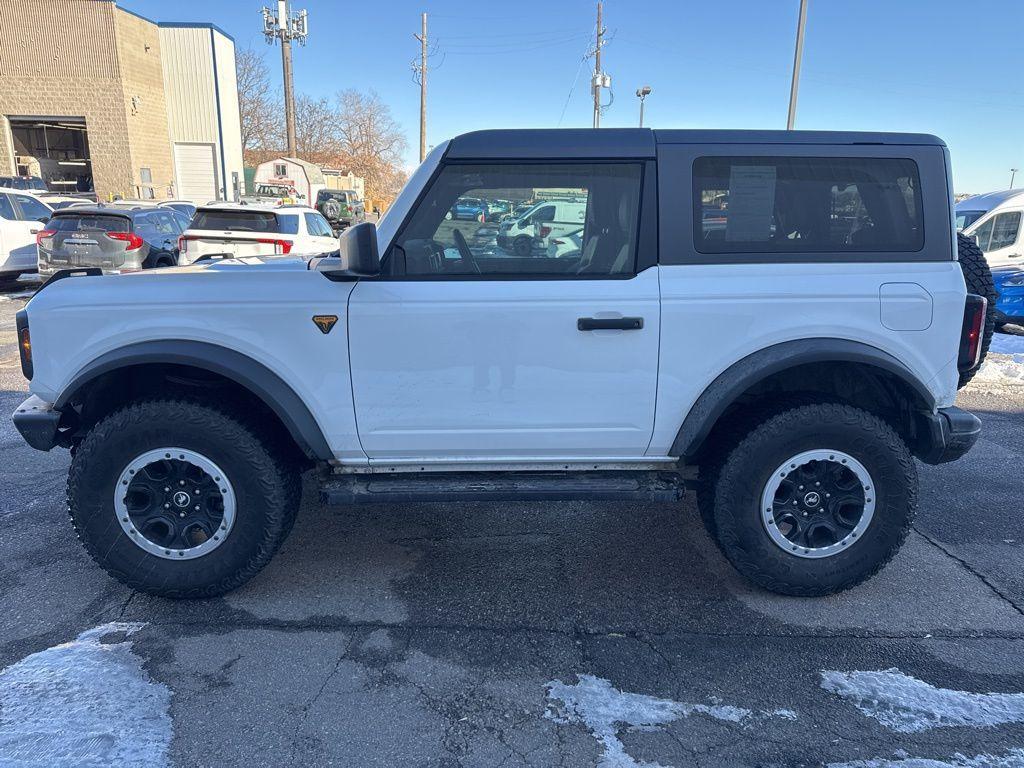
424	635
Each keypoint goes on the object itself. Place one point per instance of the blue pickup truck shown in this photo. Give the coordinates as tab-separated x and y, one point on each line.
470	209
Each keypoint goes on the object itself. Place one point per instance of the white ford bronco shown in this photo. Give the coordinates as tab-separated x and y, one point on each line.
778	321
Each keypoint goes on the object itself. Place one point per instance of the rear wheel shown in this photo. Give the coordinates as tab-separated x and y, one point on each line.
522	245
179	499
815	500
978	277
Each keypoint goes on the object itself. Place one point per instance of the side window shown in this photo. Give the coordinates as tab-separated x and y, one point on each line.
585	225
6	209
1004	230
983	234
325	228
144	227
180	221
312	225
31	209
806	204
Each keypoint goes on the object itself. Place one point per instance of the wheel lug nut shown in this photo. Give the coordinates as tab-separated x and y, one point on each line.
801	487
794	501
181	482
821	509
166	489
167	506
817	483
181	514
197	507
828	495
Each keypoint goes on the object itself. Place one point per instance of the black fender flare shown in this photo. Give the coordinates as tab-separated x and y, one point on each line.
757	366
242	369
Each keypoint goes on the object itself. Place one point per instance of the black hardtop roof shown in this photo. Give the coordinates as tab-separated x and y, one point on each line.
548	143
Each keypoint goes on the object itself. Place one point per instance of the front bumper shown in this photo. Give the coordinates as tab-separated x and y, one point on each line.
946	435
39	423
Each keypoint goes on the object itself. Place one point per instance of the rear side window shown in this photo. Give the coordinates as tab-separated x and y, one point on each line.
806	204
6	209
227	220
88	223
32	209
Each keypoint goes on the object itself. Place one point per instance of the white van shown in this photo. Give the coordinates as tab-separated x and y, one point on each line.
994	220
546	218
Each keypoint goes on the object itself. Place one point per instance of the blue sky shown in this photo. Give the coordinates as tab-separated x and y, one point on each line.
954	69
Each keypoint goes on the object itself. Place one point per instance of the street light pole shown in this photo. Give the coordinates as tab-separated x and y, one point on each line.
286	27
1013	175
642	93
797	56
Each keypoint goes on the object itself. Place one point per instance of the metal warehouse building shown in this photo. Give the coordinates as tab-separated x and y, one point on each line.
96	98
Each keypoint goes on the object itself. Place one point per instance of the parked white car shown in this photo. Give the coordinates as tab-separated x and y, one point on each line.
249	230
997	230
566	245
546	218
22	217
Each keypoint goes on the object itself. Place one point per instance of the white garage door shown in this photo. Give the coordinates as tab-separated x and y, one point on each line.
196	169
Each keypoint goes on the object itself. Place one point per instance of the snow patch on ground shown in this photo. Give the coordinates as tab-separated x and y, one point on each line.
84	703
1004	363
604	709
908	705
1012	759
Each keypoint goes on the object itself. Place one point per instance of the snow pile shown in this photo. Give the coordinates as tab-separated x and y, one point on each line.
1012	759
908	705
84	703
1005	361
603	709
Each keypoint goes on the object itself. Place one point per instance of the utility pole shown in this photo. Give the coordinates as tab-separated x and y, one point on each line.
286	27
1013	175
422	37
797	56
598	81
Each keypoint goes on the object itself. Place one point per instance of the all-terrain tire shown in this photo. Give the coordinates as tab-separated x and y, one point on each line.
523	246
978	277
264	477
742	533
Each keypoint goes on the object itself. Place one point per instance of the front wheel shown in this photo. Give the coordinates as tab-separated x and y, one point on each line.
179	499
523	245
815	500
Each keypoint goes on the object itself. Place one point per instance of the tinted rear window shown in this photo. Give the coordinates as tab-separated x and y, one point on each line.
806	204
243	221
88	223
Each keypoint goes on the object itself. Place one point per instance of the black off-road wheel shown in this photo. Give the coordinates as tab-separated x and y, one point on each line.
815	499
523	245
978	277
180	499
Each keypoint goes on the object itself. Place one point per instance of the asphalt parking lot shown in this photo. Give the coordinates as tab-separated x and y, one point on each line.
519	634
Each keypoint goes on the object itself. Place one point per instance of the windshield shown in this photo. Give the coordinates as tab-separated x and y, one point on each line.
272	190
964	219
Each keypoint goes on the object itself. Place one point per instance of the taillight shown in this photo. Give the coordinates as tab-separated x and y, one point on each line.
183	243
43	233
133	240
972	332
24	342
281	247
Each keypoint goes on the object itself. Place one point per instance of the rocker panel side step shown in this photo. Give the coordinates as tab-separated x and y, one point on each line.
502	486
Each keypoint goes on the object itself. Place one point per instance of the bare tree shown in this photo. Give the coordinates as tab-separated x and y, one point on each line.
260	117
316	132
371	142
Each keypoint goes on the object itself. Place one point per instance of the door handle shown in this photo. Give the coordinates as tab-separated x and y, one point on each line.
33	231
609	323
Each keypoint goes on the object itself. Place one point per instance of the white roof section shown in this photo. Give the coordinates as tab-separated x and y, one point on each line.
990	200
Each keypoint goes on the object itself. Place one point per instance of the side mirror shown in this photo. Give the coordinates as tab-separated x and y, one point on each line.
357	251
43	219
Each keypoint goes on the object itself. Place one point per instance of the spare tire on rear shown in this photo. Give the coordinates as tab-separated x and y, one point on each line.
978	277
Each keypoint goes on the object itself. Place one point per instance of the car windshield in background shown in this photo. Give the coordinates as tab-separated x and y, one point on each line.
228	220
88	223
964	219
266	190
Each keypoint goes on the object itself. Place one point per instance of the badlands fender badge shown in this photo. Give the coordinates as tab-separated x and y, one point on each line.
325	322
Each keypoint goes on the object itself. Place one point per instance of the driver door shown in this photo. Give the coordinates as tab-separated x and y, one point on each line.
464	351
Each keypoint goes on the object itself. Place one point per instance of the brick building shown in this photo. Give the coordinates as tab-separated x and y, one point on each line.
97	98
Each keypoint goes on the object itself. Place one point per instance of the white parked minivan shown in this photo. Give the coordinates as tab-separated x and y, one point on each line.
250	230
22	217
994	220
